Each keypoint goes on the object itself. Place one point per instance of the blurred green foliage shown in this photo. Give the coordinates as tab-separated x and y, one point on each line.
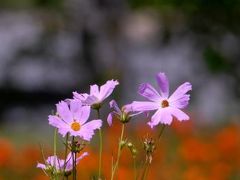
215	61
53	4
203	15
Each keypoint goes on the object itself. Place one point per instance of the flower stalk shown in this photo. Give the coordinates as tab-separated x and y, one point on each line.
100	147
73	151
120	147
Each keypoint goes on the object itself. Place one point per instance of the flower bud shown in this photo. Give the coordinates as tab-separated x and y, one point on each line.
122	143
96	106
124	118
149	147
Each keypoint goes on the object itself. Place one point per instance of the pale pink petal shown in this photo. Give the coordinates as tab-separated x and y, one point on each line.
163	83
180	92
90	100
87	130
63	111
181	102
81	97
82	156
113	104
63	127
64	130
162	116
109	119
75	105
69	157
127	108
144	106
180	115
40	165
56	121
147	91
94	90
81	113
69	164
55	161
107	89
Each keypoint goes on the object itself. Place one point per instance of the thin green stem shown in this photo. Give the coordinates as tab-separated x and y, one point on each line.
55	144
161	132
73	159
66	150
75	163
119	152
100	148
55	149
135	168
145	172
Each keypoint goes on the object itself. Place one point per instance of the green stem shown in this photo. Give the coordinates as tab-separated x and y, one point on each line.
135	168
73	159
75	163
119	152
66	150
55	150
145	172
161	132
100	148
55	144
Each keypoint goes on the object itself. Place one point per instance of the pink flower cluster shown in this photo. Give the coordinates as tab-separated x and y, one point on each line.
73	114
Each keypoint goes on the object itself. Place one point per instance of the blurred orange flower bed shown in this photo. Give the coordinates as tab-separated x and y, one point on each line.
185	152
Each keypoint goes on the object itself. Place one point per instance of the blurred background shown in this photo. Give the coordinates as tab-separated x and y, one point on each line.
50	48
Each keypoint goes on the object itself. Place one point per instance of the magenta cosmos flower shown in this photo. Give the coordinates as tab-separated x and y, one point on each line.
72	118
124	114
166	106
97	94
54	163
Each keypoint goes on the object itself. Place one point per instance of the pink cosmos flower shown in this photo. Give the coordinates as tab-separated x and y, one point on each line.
53	162
124	114
166	106
97	95
72	118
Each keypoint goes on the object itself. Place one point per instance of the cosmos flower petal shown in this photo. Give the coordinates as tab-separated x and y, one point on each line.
107	89
59	164
69	164
113	104
147	91
162	116
180	92
55	162
64	130
180	103
81	97
94	90
143	106
87	130
127	108
90	100
82	114
75	105
82	156
163	83
63	111
180	115
109	119
56	121
40	165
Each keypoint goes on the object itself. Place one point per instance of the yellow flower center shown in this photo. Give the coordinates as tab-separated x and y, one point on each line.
165	103
75	126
